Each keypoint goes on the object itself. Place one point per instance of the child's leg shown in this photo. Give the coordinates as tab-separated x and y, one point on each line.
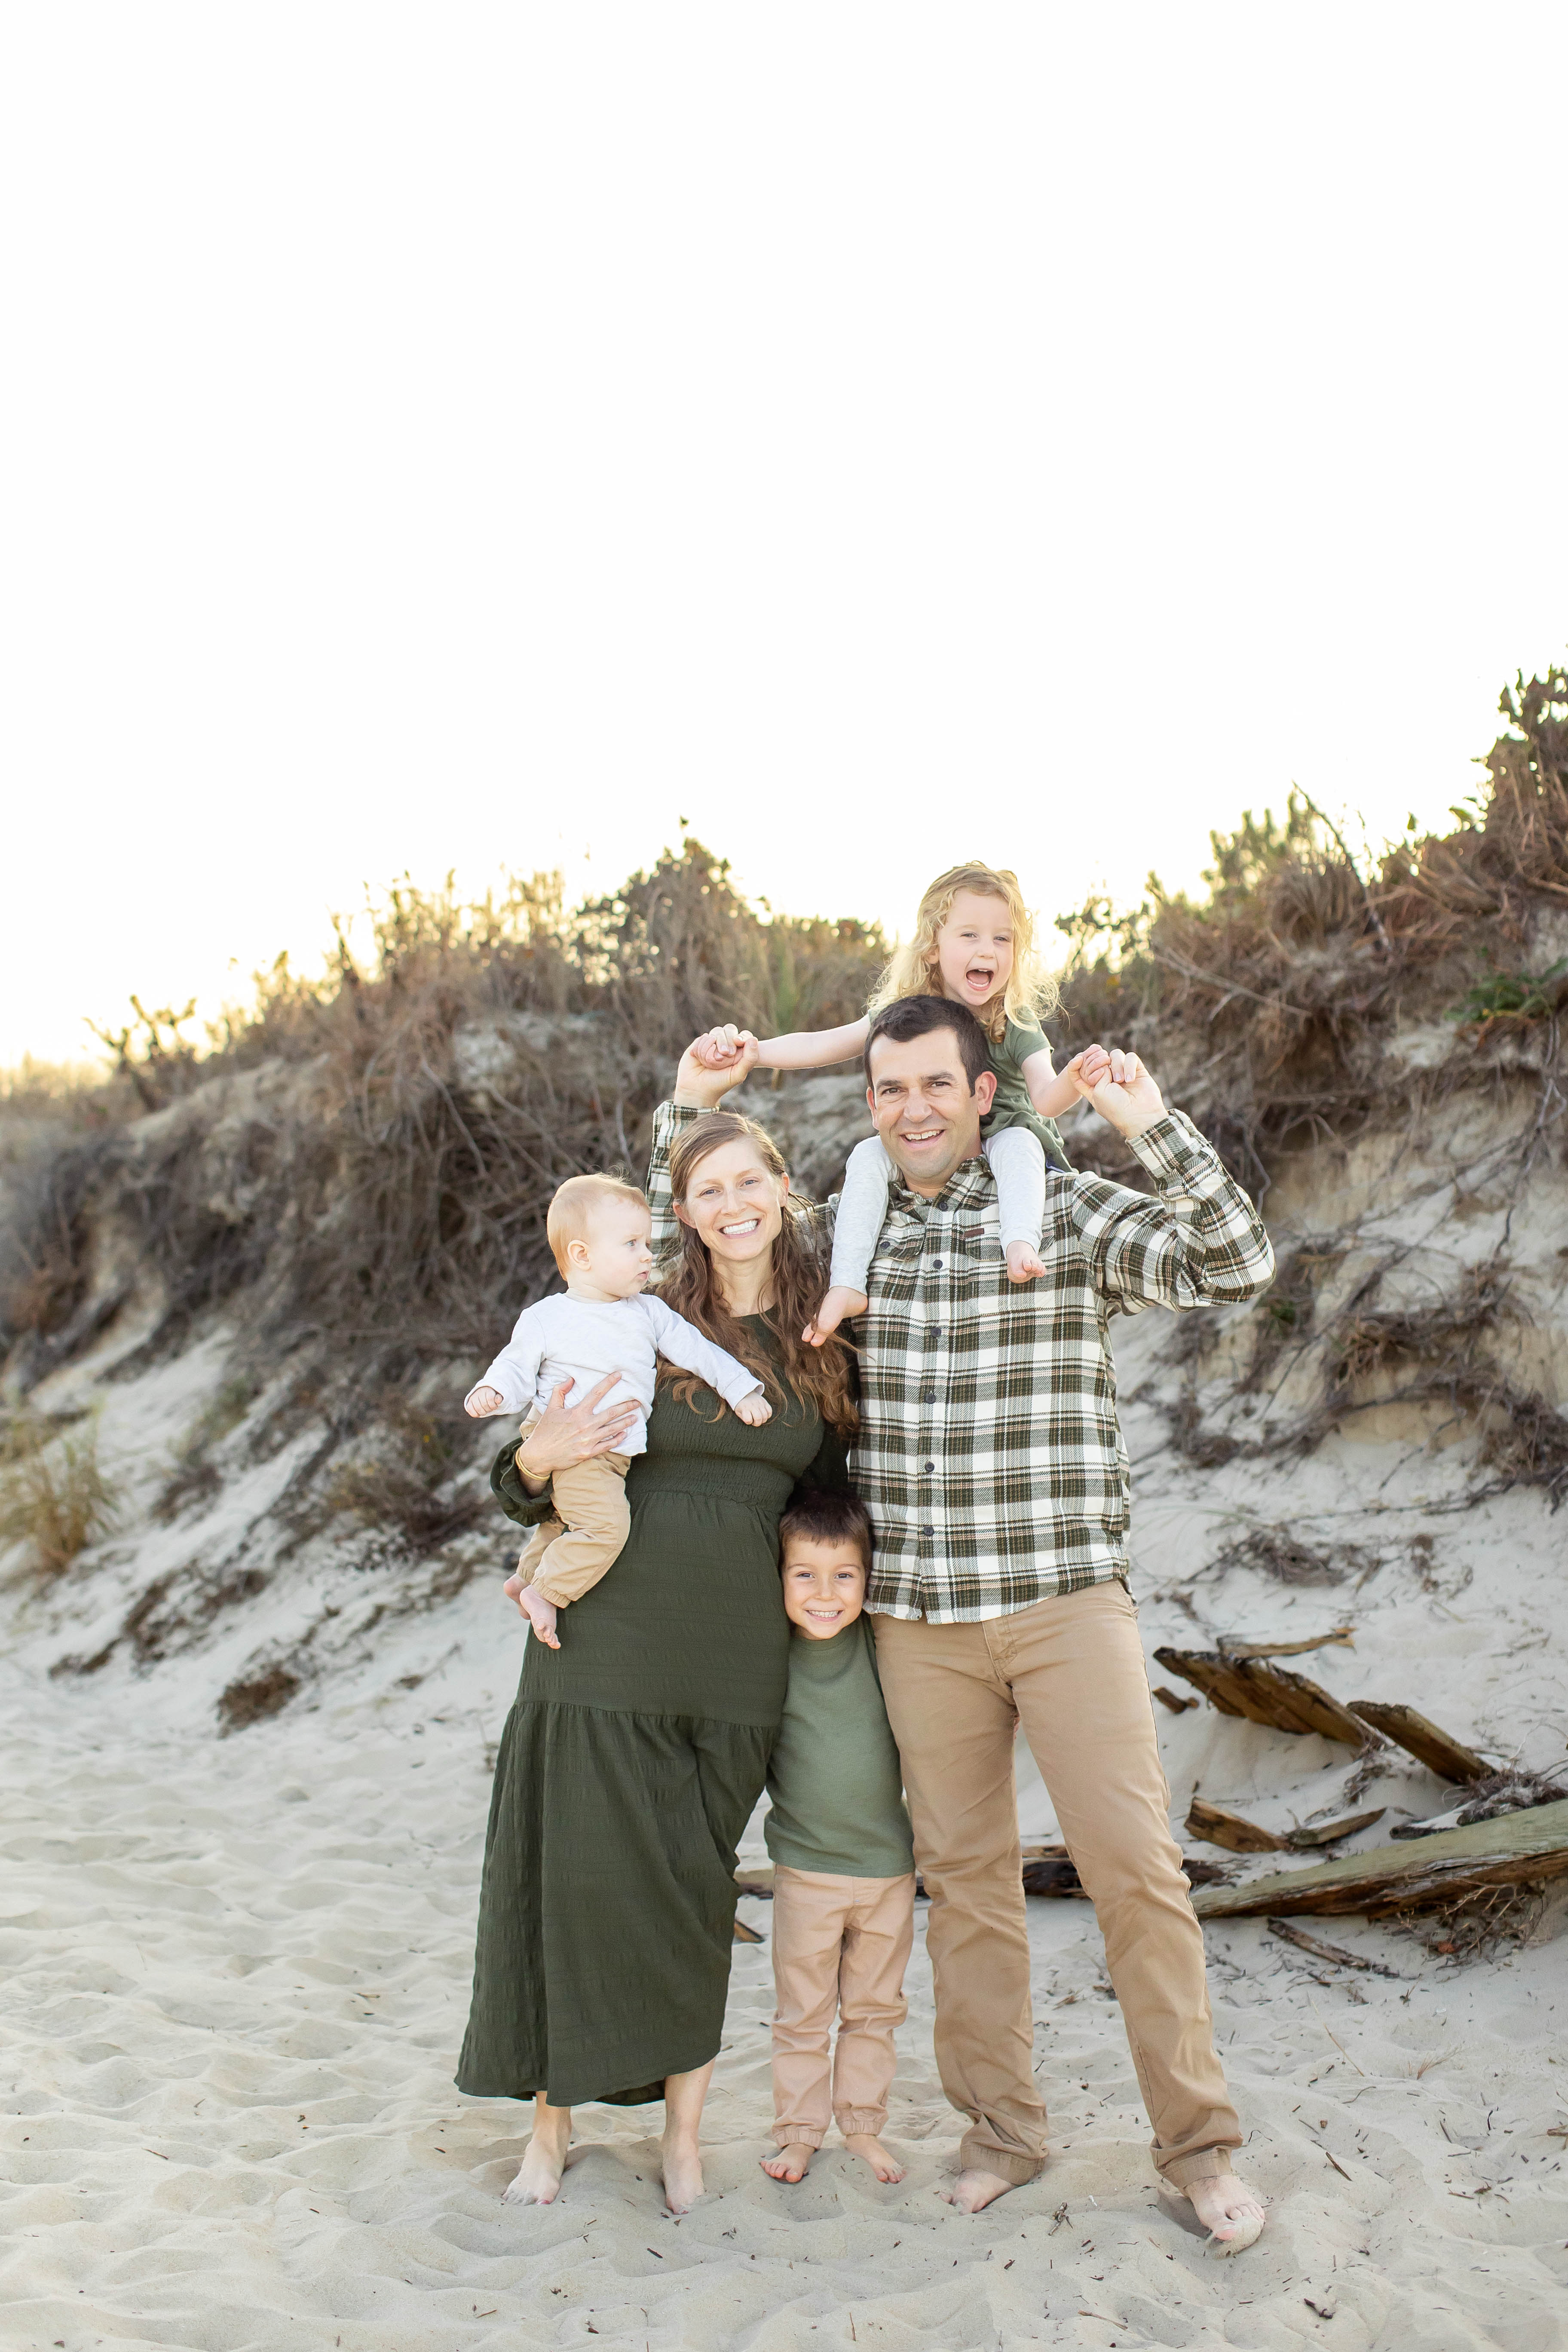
1017	1159
591	1499
862	1212
879	1934
809	1911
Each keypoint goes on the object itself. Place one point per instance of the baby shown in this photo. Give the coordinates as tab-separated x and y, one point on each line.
600	1232
974	944
844	1880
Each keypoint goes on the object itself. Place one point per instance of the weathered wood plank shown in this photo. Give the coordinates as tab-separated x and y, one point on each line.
1266	1694
1501	1853
1422	1740
1218	1826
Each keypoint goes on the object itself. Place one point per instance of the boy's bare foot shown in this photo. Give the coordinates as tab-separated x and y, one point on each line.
973	2191
538	2180
792	2162
869	2149
840	1302
1025	1263
1232	2212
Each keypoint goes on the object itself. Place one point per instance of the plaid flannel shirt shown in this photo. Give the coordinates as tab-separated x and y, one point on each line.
989	1453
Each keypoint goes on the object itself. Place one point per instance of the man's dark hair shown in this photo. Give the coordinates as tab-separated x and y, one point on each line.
828	1516
909	1017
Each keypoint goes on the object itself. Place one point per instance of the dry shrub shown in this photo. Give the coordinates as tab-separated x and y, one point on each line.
1475	1926
54	1495
405	1486
1272	995
1282	1555
251	1698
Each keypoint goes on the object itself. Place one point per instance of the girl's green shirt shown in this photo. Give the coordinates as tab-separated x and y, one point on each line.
1011	1106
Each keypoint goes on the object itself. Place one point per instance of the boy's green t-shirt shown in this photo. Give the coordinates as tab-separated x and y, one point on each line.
1011	1106
836	1786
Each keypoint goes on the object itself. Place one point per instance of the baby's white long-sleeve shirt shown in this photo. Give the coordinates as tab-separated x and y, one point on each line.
582	1340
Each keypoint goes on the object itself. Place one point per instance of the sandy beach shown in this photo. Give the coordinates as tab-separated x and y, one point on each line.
237	1975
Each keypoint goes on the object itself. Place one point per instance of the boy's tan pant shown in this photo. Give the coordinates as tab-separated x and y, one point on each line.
566	1556
839	1945
1073	1670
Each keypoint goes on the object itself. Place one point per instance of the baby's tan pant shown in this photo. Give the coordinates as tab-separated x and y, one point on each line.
839	1945
566	1556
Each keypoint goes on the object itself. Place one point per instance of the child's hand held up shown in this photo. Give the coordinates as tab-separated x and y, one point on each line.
839	1302
483	1402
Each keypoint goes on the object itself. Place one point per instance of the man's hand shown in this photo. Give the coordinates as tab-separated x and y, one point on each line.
712	1064
483	1402
1125	1095
753	1409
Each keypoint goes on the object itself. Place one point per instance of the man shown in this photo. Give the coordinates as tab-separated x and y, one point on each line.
991	1459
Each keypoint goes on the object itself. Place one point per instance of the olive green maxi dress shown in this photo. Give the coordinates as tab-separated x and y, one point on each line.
630	1764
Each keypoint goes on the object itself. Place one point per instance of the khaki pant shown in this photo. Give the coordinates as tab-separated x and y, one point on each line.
566	1556
1073	1670
840	1945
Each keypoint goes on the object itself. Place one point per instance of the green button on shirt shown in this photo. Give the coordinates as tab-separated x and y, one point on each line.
834	1779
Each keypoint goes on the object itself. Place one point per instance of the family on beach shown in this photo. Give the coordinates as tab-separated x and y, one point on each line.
833	1513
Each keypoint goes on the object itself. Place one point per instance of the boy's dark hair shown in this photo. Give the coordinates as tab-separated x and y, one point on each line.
828	1516
909	1017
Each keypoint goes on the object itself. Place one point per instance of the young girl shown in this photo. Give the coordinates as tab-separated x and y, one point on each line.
974	944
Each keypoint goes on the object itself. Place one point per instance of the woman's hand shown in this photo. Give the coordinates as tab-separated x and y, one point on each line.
712	1064
562	1436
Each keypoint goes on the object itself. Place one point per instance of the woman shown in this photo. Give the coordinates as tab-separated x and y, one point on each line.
635	1752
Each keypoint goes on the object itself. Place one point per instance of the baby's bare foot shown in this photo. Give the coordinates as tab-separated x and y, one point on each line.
792	2162
869	2149
1231	2212
973	2191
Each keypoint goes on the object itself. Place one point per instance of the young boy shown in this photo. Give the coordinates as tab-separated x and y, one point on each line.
844	1879
599	1231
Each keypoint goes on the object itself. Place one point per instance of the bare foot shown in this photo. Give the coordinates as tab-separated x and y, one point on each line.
973	2191
1024	1263
1229	2210
538	2180
869	2149
793	2161
682	2169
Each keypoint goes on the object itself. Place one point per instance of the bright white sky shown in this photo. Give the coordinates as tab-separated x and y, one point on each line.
480	435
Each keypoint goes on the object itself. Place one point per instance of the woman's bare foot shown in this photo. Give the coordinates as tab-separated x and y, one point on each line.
869	2149
793	2161
682	2163
538	2180
973	2191
1228	2210
682	2169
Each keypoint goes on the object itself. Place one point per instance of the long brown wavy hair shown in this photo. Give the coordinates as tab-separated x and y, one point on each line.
800	1276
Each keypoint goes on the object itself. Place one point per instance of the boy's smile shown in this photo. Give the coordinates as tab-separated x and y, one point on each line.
824	1585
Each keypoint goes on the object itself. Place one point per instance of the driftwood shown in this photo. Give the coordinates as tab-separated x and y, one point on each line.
1513	1850
1422	1740
1264	1694
1342	1635
1168	1699
1218	1826
1048	1870
744	1934
1215	1826
1335	1952
1330	1832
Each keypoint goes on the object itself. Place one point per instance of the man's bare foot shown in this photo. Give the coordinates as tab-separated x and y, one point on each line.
1024	1263
840	1302
869	2149
682	2169
538	2180
973	2191
1229	2210
793	2161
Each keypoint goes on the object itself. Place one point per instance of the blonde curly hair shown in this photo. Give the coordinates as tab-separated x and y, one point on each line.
912	969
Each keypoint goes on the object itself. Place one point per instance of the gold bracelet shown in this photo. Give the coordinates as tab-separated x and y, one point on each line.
542	1476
